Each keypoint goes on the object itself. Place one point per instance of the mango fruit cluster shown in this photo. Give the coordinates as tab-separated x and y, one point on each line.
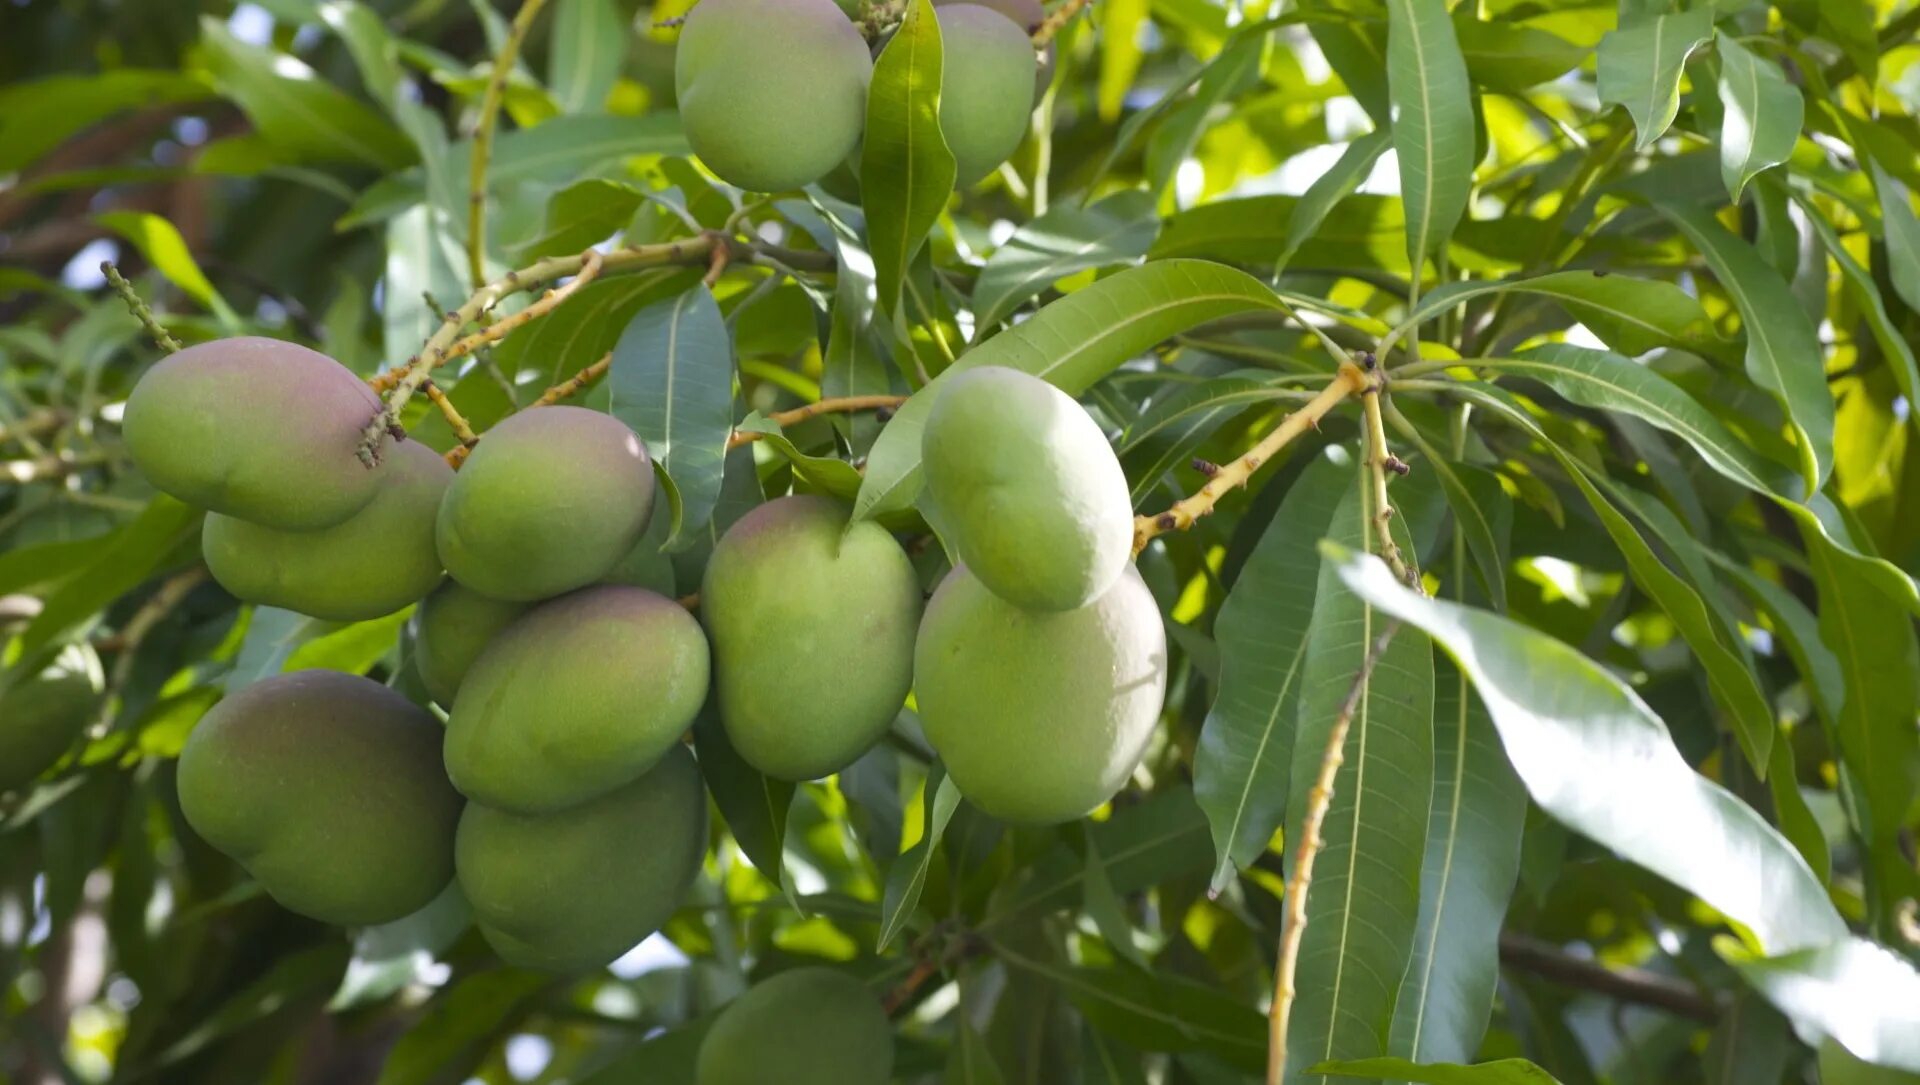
773	93
559	792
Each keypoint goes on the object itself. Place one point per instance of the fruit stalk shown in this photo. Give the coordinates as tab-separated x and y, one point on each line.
1350	381
843	405
161	338
483	139
1379	462
1056	20
462	431
1319	800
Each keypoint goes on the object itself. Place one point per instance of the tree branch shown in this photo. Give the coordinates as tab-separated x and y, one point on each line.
844	405
1056	20
166	342
1350	381
1636	985
483	139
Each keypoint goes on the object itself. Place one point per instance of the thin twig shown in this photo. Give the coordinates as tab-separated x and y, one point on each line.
1319	800
171	593
135	305
844	405
462	431
36	424
1351	381
1636	985
1056	20
47	468
483	139
1379	461
572	385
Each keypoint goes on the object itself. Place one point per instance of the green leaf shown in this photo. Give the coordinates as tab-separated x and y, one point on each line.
294	108
671	381
1143	845
1903	235
1481	510
968	1060
584	54
1224	78
906	170
423	259
1873	308
1609	382
1639	66
1155	1011
1070	343
1751	1043
1121	22
461	1026
582	215
1630	315
1466	880
1068	239
1433	121
1783	349
1579	738
755	806
1104	907
138	551
1854	992
595	317
1328	189
38	115
1512	58
1503	1072
273	635
1761	114
1364	907
166	250
1244	762
908	874
825	474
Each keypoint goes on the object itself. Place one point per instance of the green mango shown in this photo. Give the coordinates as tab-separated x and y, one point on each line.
1027	15
772	93
574	889
328	789
986	88
42	714
1025	488
575	698
371	564
549	501
812	624
805	1026
451	628
1040	716
255	428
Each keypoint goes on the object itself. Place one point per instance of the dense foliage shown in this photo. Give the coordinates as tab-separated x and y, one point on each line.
1515	398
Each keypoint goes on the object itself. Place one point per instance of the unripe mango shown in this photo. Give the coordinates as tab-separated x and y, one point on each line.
805	1026
812	625
550	501
451	628
1040	716
772	93
575	889
328	788
575	698
986	88
1026	489
255	428
370	564
42	715
1027	15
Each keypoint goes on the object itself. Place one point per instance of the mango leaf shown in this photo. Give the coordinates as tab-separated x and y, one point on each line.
908	874
595	318
1512	58
1609	382
1873	308
1761	114
160	242
1120	54
1433	121
671	381
1364	907
1639	67
1751	1043
1226	76
906	170
461	1026
1244	762
1783	349
1155	1011
1856	993
1105	908
584	54
755	806
1066	240
1472	862
1482	512
1340	181
1631	315
1070	343
294	108
1143	845
582	215
139	550
272	636
1578	737
423	260
1503	1072
825	474
38	115
1903	235
969	1062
